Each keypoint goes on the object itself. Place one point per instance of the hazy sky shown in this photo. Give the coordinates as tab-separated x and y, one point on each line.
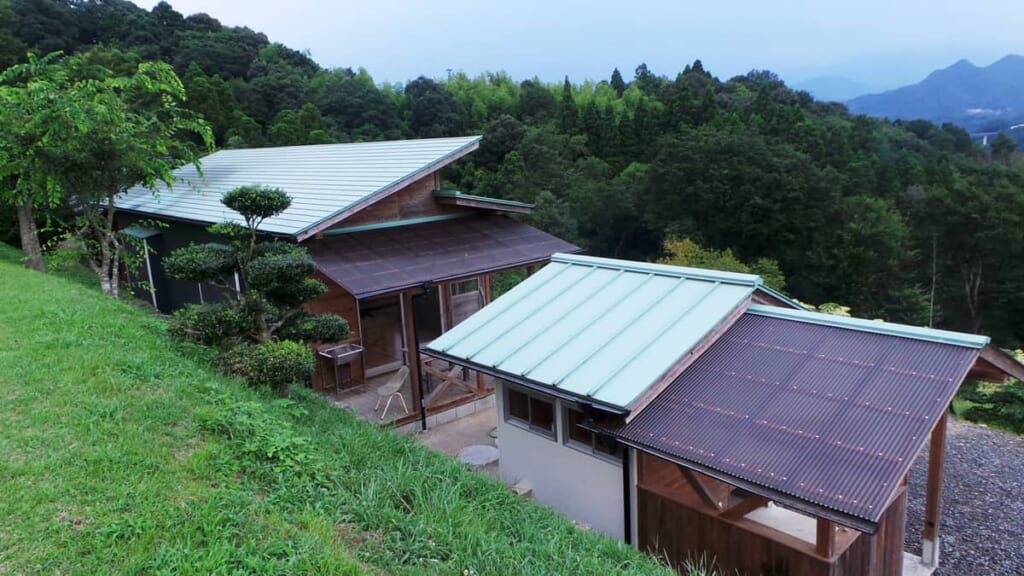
883	43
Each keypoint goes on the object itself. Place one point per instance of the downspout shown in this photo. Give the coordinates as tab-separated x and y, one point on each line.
627	511
415	352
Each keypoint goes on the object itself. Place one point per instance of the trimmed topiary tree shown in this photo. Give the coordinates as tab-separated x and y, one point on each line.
267	302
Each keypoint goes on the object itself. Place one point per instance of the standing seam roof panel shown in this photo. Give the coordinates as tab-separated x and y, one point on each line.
597	328
321	179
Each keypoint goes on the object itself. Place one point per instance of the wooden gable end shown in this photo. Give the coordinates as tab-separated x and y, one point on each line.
413	201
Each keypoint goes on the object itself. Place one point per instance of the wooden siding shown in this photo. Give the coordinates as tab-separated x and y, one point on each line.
676	522
335	301
414	201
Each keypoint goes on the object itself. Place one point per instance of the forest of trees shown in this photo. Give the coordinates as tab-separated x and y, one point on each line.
906	221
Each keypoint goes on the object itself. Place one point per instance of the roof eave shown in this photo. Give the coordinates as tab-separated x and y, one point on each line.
525	382
857	523
403	287
324	223
454	198
203	223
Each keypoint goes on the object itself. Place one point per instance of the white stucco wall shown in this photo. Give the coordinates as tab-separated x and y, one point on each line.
580	486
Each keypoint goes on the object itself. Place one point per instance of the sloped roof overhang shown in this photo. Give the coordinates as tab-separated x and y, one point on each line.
823	415
380	260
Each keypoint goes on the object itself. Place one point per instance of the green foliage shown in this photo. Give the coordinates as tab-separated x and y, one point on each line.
210	263
278	273
218	324
316	328
686	252
261	439
504	281
901	220
256	203
273	282
80	133
276	365
999	405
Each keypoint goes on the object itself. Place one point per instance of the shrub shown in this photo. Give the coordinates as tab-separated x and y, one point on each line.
1001	406
201	263
210	324
274	364
317	328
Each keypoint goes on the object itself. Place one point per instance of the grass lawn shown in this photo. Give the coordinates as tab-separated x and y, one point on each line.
123	452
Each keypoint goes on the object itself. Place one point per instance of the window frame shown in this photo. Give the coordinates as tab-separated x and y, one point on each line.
589	449
550	434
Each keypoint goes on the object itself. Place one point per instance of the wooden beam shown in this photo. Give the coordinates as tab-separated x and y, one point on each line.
991	361
485	287
825	543
744	507
700	488
933	493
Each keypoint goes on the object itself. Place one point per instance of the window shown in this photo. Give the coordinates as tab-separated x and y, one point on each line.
578	437
464	299
530	411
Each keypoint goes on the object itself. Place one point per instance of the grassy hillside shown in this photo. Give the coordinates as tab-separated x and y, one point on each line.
123	452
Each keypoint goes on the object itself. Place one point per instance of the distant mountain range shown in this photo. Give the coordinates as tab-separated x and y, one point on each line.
834	88
978	99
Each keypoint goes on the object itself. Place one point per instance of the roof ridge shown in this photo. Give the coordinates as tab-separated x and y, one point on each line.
873	326
346	144
752	280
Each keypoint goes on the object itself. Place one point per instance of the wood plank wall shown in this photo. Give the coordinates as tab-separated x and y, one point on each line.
338	301
674	525
414	201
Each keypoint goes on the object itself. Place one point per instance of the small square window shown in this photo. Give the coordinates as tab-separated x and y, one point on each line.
518	405
542	414
582	439
575	432
531	411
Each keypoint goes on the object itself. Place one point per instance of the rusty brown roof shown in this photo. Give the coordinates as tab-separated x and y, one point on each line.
378	261
822	418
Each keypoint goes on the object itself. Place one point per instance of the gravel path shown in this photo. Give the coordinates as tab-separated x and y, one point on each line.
982	529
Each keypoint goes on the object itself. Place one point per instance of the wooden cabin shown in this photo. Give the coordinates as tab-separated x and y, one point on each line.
404	261
692	413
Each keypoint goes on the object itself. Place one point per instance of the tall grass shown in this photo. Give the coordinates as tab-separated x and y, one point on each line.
123	452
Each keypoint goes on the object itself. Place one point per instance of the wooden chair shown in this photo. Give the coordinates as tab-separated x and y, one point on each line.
390	389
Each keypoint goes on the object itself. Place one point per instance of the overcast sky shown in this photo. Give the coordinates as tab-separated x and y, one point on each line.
883	43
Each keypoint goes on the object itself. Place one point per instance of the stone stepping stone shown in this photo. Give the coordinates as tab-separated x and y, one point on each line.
478	455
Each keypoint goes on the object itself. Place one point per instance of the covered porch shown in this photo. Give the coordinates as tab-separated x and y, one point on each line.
785	448
402	286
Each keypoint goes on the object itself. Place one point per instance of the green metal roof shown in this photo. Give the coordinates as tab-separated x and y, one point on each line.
874	326
595	328
323	180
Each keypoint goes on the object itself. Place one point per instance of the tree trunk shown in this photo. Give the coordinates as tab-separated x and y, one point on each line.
30	238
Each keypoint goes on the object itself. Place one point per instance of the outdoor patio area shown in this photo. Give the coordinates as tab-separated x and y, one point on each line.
445	386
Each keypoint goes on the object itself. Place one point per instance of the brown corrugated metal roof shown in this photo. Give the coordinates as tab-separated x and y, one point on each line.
823	418
378	261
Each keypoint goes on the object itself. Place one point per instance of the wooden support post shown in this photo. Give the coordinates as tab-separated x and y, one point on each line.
933	495
412	354
826	539
485	287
